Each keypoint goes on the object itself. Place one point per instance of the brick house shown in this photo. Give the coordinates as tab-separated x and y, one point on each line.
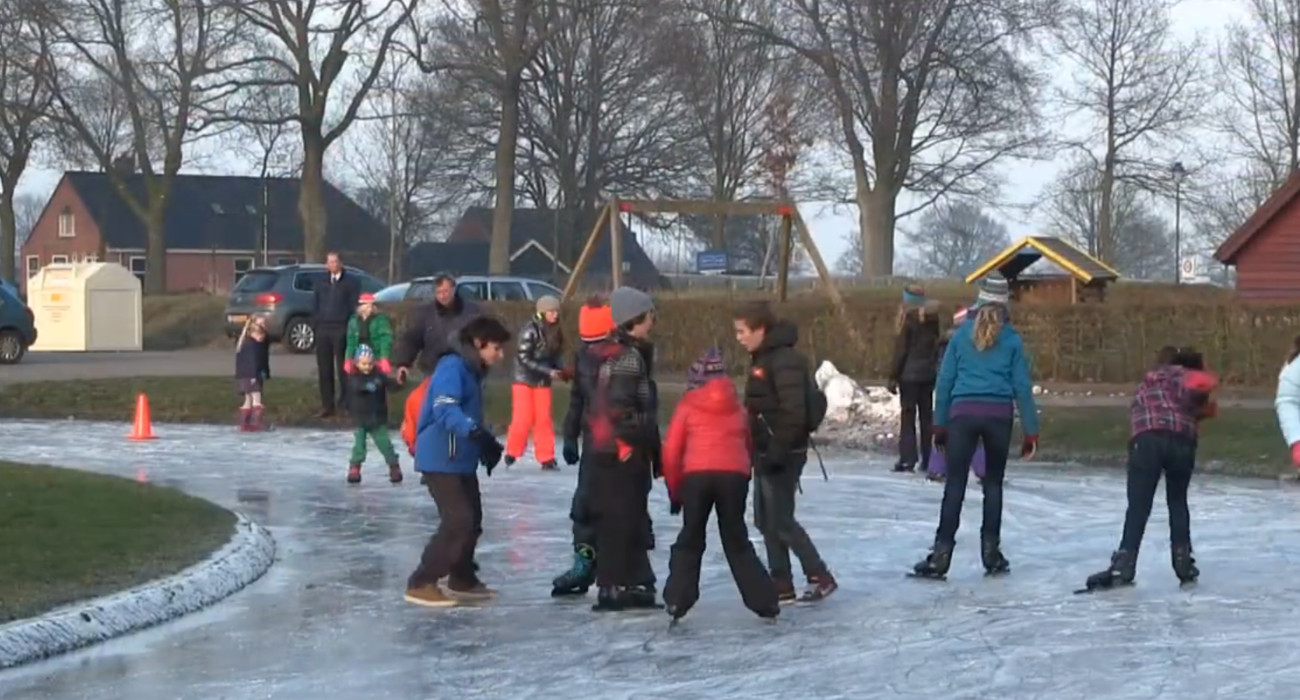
214	228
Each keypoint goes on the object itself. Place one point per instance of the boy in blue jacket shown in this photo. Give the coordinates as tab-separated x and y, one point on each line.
451	443
983	379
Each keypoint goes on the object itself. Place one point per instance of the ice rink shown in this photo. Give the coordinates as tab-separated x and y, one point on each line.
328	620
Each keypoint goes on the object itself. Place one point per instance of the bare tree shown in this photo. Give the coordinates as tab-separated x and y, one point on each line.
130	79
24	99
953	238
307	47
1139	89
27	212
1141	241
849	263
927	94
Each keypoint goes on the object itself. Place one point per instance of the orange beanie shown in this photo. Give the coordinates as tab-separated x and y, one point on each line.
595	322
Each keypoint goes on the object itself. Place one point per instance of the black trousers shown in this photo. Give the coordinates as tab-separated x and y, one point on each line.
584	528
965	434
774	503
331	344
450	552
1150	454
618	503
726	493
917	402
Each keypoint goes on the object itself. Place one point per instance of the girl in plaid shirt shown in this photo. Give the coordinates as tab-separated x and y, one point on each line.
1166	410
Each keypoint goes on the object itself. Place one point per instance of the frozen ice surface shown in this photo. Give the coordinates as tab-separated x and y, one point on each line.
328	620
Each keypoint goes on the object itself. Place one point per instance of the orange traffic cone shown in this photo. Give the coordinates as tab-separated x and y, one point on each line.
142	429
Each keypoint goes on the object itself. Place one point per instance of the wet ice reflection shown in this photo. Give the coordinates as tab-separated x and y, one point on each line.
328	620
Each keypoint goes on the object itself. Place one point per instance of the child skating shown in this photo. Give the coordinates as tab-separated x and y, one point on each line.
706	456
368	401
252	370
1165	412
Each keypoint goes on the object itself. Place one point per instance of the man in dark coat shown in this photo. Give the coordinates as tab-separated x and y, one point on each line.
334	299
430	327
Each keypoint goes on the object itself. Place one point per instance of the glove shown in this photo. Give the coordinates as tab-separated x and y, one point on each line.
674	508
490	448
571	452
1029	447
940	438
1295	455
347	366
892	387
1209	410
385	366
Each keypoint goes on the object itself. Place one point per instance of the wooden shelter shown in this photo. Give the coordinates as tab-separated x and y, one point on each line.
1084	282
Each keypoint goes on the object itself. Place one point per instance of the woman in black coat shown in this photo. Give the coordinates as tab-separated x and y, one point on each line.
912	375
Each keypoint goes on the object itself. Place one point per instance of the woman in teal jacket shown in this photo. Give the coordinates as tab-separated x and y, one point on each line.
983	378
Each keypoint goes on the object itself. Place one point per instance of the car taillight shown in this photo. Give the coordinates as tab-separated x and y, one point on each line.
268	299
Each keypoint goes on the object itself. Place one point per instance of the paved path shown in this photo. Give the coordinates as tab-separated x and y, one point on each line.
220	363
328	620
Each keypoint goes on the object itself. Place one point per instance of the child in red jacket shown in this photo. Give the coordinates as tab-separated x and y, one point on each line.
706	466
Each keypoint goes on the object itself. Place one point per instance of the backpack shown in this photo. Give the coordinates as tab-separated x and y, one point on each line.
815	403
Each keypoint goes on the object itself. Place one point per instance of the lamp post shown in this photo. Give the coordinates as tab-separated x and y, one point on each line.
1179	173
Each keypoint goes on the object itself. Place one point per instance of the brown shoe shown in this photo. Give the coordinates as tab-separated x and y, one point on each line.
476	591
785	592
429	597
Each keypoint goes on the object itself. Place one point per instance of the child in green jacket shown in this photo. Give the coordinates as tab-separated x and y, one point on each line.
371	328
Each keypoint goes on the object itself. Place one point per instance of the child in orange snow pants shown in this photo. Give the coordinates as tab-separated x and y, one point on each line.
411	414
537	365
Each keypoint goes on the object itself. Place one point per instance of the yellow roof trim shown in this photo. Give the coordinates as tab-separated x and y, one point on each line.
998	261
1001	259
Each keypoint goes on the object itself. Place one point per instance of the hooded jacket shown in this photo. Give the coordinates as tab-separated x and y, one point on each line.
916	349
709	432
429	330
776	394
537	355
452	409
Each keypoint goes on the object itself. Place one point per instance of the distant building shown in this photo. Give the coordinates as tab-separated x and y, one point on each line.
213	228
1265	250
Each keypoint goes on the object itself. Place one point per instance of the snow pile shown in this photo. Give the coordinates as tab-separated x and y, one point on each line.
857	417
243	560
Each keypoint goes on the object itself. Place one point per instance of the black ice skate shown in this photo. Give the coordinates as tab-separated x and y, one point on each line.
1121	572
1185	566
935	565
580	577
995	563
904	467
639	598
607	600
550	466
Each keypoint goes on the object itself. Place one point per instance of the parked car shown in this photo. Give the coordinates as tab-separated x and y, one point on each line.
284	295
17	327
471	287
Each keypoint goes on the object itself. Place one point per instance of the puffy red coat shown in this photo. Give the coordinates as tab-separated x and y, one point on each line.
709	432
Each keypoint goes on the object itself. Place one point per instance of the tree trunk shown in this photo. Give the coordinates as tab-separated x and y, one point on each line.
504	211
876	210
311	196
155	278
1105	221
8	232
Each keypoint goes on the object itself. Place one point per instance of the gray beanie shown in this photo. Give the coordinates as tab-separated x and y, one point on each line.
626	303
547	304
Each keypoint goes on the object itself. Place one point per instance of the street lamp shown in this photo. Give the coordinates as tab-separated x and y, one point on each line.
1179	174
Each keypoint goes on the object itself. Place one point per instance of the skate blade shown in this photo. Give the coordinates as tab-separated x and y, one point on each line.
1187	585
926	577
568	593
994	574
1098	589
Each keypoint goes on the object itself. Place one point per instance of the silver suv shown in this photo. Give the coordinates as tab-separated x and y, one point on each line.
473	287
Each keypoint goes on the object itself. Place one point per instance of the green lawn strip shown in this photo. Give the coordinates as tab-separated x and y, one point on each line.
71	535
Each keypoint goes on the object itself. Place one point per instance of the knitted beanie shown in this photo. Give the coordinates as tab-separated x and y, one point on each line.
710	366
626	303
994	289
547	304
594	323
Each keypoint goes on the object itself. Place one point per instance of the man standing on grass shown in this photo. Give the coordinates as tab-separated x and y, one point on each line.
333	301
430	327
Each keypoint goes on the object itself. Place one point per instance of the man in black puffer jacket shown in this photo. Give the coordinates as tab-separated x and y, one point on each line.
776	397
430	327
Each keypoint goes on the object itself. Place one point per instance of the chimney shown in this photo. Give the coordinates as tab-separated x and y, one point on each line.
124	164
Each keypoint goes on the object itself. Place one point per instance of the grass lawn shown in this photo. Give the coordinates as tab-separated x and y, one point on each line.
1240	441
73	535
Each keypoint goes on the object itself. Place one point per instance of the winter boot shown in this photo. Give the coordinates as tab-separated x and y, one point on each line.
1184	565
904	467
255	423
819	586
550	466
1121	572
638	597
785	593
245	420
607	600
354	473
991	554
395	473
936	563
580	577
510	460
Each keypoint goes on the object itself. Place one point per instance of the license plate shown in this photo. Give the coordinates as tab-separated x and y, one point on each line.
237	318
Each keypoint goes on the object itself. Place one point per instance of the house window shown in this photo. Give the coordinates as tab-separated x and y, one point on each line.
286	261
627	266
33	265
242	266
67	224
58	260
139	266
92	258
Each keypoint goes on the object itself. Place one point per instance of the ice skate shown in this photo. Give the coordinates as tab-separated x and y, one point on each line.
354	473
935	565
395	473
935	478
607	600
510	460
1121	572
639	598
991	555
1185	566
819	587
770	614
904	467
580	576
785	592
550	465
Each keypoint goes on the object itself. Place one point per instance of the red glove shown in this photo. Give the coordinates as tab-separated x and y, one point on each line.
1209	410
347	366
385	366
940	438
1029	447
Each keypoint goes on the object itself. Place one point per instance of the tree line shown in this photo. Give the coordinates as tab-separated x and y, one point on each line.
897	107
